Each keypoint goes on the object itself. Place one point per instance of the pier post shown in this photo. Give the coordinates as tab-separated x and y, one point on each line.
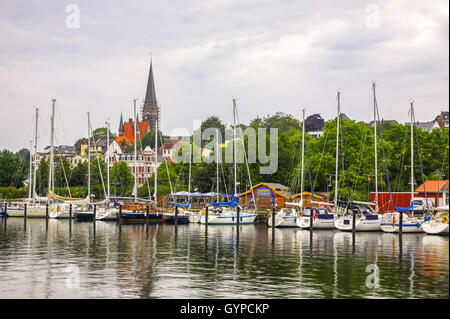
273	217
273	225
311	219
119	217
176	215
353	221
238	210
6	210
70	212
400	224
24	210
46	211
206	216
95	212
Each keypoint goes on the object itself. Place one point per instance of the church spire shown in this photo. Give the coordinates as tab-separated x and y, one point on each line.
121	125
150	95
150	110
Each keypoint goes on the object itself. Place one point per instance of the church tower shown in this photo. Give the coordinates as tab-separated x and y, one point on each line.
150	110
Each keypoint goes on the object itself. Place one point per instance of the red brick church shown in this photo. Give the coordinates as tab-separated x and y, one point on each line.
150	116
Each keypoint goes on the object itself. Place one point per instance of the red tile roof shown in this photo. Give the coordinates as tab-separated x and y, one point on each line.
128	132
432	186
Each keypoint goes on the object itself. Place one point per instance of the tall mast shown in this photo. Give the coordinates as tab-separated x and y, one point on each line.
375	146
217	164
234	145
108	156
156	164
51	174
337	150
412	152
30	179
35	153
190	169
303	158
89	156
136	125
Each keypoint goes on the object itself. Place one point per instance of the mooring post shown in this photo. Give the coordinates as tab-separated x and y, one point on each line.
24	210
273	217
354	221
70	212
400	224
6	209
147	216
238	216
176	215
46	211
311	219
119	216
273	225
206	216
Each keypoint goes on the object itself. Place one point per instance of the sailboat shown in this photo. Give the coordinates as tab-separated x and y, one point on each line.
37	205
184	215
287	217
86	211
136	212
225	213
390	222
438	223
322	218
366	218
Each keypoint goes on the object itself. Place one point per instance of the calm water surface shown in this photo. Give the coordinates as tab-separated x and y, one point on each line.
60	259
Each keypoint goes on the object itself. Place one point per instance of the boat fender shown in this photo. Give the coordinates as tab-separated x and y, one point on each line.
58	209
444	219
418	225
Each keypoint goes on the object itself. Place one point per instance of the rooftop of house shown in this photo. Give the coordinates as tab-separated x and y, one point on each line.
432	186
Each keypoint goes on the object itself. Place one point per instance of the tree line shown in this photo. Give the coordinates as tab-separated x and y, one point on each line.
356	163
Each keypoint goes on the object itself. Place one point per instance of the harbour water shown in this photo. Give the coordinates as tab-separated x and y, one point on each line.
63	259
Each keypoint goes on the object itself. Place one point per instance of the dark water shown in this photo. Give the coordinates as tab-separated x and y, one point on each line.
63	260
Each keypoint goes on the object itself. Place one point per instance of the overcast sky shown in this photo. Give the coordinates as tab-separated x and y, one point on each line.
271	55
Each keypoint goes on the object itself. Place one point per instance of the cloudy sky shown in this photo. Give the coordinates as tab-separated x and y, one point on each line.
271	55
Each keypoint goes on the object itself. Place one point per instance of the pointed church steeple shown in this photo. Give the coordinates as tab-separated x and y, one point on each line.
150	95
150	110
121	125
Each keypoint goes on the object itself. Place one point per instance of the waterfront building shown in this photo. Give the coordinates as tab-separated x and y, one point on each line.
435	190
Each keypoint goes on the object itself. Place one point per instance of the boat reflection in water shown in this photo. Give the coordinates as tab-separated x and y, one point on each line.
158	260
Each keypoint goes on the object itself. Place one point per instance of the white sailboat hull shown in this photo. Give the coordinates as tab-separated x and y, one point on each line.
436	228
228	218
60	210
303	222
284	218
33	211
361	224
390	224
110	214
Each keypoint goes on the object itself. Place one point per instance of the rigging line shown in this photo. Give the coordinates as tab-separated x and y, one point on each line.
224	179
309	171
420	158
321	157
359	161
399	170
384	155
142	150
325	143
167	167
345	163
292	162
65	176
98	162
245	157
